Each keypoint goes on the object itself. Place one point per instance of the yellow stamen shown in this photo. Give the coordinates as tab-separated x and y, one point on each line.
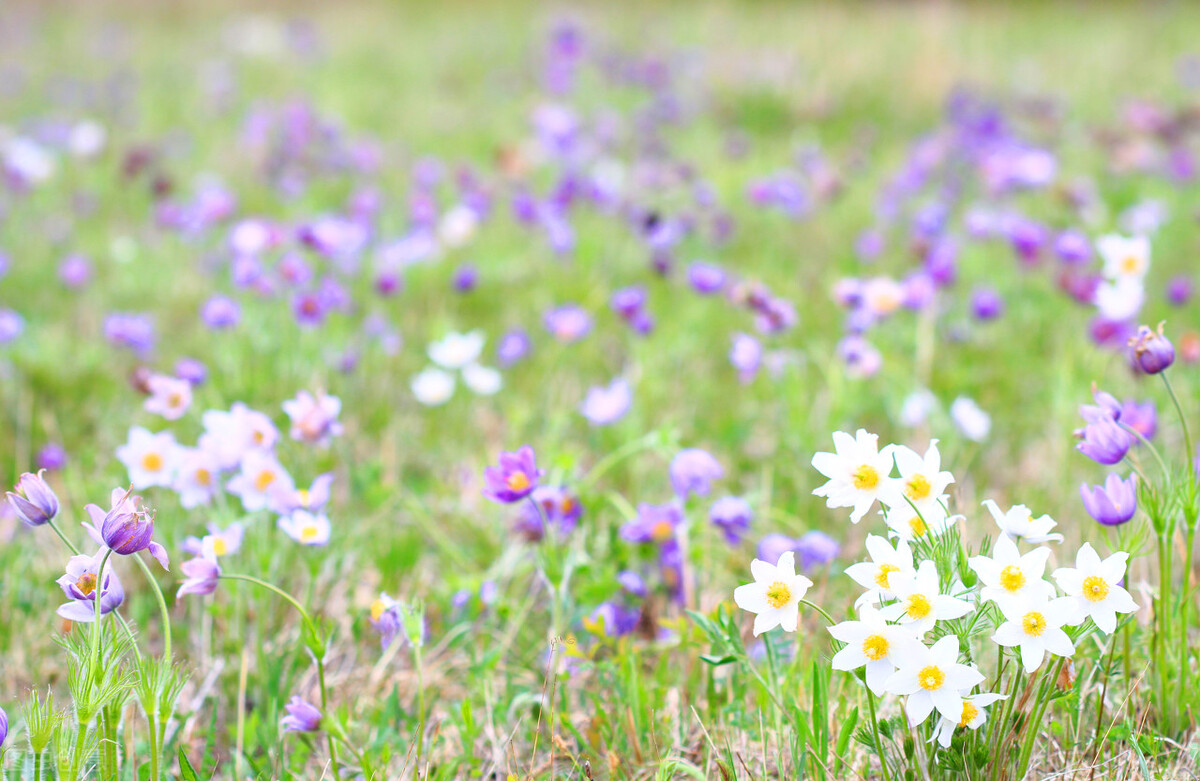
875	647
662	531
309	533
86	583
1033	623
917	606
917	488
866	477
203	477
968	715
778	594
377	608
917	526
931	678
1012	578
1095	589
264	480
219	546
517	481
881	574
152	462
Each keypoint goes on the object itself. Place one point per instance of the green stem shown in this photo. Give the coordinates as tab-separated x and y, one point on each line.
1040	704
650	441
820	610
420	705
63	537
1187	436
883	764
162	606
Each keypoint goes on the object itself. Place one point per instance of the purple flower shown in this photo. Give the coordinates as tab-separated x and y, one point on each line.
628	301
557	506
1106	407
3	726
52	457
82	582
1141	417
131	330
221	312
986	303
33	500
11	325
816	549
705	278
1104	441
75	271
1072	247
1113	503
654	523
513	347
746	356
128	527
466	277
611	619
515	478
192	370
301	717
1152	351
774	545
202	575
568	323
632	583
732	515
693	471
604	406
1179	290
314	417
308	309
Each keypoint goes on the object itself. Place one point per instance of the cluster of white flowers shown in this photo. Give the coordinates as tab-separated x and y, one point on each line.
905	600
455	352
1123	290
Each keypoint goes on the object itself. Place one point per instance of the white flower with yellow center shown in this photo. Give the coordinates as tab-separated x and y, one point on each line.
455	350
922	482
774	596
1093	585
886	563
920	603
872	643
150	458
858	472
1124	258
974	716
932	678
933	521
1008	577
305	527
1035	626
1018	522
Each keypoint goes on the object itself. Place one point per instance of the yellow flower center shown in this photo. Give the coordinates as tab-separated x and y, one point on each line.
662	531
1130	264
917	606
1012	578
778	594
881	574
175	400
309	533
931	678
302	494
152	462
1034	623
875	647
917	488
259	437
86	583
203	477
968	715
517	481
377	608
866	477
219	546
264	480
917	526
1095	589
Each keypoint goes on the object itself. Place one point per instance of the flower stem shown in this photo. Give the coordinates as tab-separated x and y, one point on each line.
162	607
883	764
1187	436
62	536
820	610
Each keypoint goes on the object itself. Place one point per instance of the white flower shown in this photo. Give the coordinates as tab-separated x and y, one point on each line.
482	380
973	422
1035	626
230	435
775	594
169	396
882	296
433	387
921	482
885	565
314	417
196	477
1121	298
932	678
455	350
305	527
86	138
1124	258
917	407
1093	587
457	226
933	520
1008	577
261	480
873	643
974	716
150	458
920	603
857	472
1019	523
221	542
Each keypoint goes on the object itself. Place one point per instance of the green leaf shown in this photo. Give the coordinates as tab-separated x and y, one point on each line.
186	771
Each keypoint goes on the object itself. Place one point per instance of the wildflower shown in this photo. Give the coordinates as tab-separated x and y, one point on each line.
514	478
127	528
32	499
1124	258
231	435
1093	586
974	716
301	717
314	417
603	406
816	548
746	356
315	497
1106	408
1113	503
1119	299
433	387
986	304
774	545
1152	351
552	505
202	575
196	479
922	482
693	471
920	603
706	279
260	482
513	346
654	523
568	323
1141	417
1179	290
932	678
1009	577
874	644
385	618
909	523
1018	523
150	458
881	574
1104	441
82	583
971	420
732	515
455	350
482	380
632	583
612	619
169	397
3	726
858	472
917	407
221	312
774	596
218	542
52	457
306	528
1035	626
